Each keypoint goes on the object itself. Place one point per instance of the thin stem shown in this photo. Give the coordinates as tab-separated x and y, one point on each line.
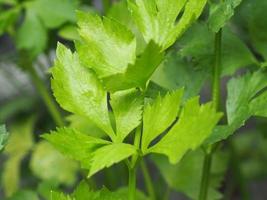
48	100
148	181
205	177
216	94
203	194
133	164
132	183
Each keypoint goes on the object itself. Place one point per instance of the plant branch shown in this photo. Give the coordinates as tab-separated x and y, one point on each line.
133	164
148	181
48	100
216	95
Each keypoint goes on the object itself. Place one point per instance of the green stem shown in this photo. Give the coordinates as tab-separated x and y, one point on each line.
216	94
148	181
133	164
203	194
205	177
132	183
48	100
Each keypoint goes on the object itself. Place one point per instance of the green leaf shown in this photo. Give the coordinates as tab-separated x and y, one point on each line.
197	46
127	107
120	12
86	126
54	13
75	145
24	194
156	19
195	124
48	164
84	192
32	41
109	155
243	96
249	19
77	89
177	176
159	116
107	46
8	18
138	74
3	137
176	72
221	13
246	98
15	151
69	32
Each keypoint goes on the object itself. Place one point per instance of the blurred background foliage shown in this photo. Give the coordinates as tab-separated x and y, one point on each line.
30	167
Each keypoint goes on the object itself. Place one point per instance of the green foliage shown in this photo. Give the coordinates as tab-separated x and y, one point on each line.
197	44
127	107
156	19
159	116
24	194
78	90
94	154
54	13
84	192
36	41
177	72
3	137
177	176
138	74
49	165
221	13
16	151
246	98
195	124
108	47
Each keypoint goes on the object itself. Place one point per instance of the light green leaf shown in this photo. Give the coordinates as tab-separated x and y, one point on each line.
138	74
221	13
3	137
33	41
69	32
48	164
156	19
54	13
120	12
107	46
77	89
195	124
86	126
127	108
82	192
15	151
177	176
159	116
75	145
109	155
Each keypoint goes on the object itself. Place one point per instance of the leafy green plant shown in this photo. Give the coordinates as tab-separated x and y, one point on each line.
106	64
133	84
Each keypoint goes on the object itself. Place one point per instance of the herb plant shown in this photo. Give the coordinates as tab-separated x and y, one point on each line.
106	72
133	84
